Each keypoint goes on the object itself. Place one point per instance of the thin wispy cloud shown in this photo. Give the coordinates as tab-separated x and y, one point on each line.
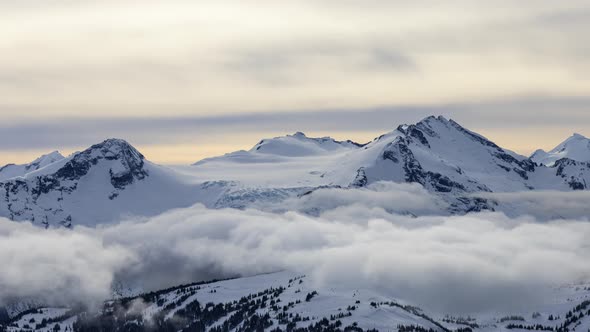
522	124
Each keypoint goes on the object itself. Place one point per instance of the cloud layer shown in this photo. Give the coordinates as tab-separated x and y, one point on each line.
452	264
56	265
544	205
100	63
186	139
210	56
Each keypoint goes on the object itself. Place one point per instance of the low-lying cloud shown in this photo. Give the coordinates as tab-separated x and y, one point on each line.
449	263
544	205
381	199
56	265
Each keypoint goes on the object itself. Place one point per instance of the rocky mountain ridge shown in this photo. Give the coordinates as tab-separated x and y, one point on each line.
112	179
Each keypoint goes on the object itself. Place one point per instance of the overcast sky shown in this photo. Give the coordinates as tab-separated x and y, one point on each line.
183	80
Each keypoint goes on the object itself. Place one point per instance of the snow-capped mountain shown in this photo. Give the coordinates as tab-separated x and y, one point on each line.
299	145
444	157
449	160
104	182
438	153
112	179
12	170
278	148
576	147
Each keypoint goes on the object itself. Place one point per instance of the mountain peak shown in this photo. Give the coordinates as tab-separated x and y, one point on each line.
437	118
44	160
114	142
575	147
539	153
577	136
299	145
114	160
424	122
124	163
113	148
52	156
12	170
434	125
299	134
434	118
575	142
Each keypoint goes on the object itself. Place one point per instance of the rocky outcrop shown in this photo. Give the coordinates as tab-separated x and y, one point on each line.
38	195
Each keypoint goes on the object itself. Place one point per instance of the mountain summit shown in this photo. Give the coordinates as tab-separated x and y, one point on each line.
12	170
443	156
276	149
97	185
299	145
576	147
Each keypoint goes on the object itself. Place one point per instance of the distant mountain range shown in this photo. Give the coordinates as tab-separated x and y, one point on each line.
111	180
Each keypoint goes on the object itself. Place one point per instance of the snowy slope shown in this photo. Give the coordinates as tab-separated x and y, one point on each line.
287	300
282	148
576	147
279	299
12	170
299	145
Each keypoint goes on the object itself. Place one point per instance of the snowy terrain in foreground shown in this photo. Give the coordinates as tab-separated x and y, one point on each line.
287	301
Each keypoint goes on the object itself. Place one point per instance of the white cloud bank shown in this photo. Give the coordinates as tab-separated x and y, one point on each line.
453	264
381	199
56	264
544	205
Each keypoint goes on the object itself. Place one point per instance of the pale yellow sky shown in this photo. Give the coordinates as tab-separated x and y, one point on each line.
183	153
519	142
130	59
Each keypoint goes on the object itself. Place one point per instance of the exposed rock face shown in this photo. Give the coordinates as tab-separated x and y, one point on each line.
436	153
400	153
129	159
575	173
361	178
37	195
